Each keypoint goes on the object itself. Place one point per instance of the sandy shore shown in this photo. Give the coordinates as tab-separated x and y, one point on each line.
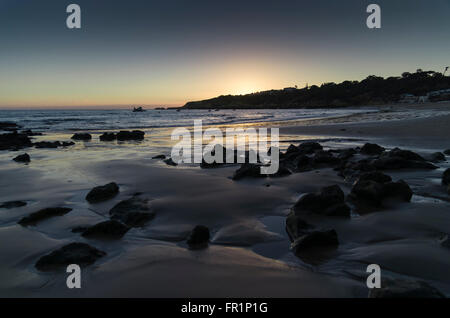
249	254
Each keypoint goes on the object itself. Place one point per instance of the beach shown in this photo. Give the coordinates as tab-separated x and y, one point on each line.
249	251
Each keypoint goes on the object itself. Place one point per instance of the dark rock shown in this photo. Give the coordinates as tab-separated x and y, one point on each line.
375	176
436	157
82	136
102	193
199	237
372	193
48	144
352	169
43	214
107	229
371	149
447	152
170	162
134	212
108	136
446	177
5	124
282	172
405	289
22	158
368	191
330	201
74	253
291	149
296	226
130	135
405	154
12	204
159	157
14	141
314	240
397	190
309	147
248	170
324	157
303	163
346	154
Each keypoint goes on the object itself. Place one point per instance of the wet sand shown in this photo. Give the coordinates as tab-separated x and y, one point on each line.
249	253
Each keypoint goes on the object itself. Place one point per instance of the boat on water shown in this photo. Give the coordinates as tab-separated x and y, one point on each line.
138	109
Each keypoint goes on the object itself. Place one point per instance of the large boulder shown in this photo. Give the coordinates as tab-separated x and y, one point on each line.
199	237
446	177
133	212
12	204
82	136
14	141
248	170
400	288
107	229
325	157
371	149
315	240
329	201
130	135
25	158
43	214
74	253
102	193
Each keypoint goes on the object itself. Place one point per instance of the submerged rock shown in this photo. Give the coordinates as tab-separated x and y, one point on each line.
446	177
124	135
14	141
23	158
314	240
82	136
329	201
199	237
447	152
102	193
400	288
107	136
74	253
107	229
134	212
248	170
12	204
372	149
43	214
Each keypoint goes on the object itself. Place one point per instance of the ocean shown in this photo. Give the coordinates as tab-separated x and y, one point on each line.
77	120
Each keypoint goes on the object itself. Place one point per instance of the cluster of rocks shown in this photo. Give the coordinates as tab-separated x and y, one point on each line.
123	135
14	141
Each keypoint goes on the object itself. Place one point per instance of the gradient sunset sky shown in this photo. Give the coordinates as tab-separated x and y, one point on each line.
169	52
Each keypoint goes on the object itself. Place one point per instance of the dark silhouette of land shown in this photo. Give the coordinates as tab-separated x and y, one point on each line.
373	90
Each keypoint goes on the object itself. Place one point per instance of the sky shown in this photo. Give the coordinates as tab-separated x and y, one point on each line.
166	53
